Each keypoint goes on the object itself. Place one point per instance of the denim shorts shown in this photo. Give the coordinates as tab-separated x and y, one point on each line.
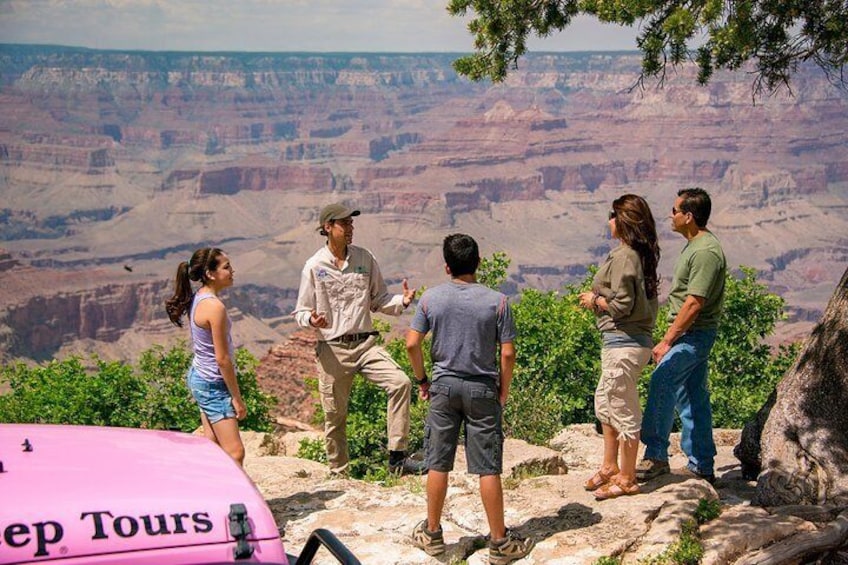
213	397
474	402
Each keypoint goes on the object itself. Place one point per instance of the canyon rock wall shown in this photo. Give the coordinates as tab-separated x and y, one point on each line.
113	159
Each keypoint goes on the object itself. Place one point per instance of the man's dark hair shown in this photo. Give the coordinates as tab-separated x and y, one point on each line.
697	202
461	254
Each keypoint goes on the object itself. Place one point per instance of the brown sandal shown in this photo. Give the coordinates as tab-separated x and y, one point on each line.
598	480
615	488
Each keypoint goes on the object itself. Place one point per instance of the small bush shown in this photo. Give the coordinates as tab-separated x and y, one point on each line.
153	395
169	403
523	473
707	510
558	351
312	449
743	369
64	392
688	549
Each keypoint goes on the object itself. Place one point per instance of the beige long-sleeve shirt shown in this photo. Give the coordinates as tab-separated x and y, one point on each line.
346	295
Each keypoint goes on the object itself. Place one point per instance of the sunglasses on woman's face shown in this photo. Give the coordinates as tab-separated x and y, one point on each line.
612	214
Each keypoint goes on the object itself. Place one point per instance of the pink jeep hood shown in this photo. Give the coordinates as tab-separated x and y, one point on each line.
81	493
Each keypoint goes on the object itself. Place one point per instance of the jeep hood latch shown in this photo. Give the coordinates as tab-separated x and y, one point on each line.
239	529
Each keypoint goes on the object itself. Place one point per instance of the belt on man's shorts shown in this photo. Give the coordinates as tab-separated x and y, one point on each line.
350	338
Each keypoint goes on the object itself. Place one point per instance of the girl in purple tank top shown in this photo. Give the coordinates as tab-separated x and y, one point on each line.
212	376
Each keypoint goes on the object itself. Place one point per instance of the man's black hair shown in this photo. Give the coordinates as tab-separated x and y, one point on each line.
697	202
461	254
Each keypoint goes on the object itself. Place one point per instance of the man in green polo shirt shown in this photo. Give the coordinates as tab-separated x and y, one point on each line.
680	378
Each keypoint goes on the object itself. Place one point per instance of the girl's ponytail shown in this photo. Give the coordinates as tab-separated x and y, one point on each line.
180	302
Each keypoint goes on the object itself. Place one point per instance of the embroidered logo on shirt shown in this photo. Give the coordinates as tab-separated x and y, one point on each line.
322	274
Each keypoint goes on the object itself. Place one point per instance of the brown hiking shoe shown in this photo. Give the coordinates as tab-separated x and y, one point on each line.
648	469
433	543
509	549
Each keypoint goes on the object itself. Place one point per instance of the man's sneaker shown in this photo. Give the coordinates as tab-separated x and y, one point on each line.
400	464
648	469
433	543
509	549
710	477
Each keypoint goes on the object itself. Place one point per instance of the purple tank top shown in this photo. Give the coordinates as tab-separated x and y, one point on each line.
204	350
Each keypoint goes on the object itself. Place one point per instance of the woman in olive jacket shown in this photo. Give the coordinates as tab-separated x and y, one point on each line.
624	300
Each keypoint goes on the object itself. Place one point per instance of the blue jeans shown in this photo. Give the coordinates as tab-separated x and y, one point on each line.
680	381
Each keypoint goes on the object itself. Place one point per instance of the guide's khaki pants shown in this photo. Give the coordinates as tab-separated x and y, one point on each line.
339	363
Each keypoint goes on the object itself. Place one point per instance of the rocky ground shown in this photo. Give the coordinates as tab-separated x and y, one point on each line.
544	498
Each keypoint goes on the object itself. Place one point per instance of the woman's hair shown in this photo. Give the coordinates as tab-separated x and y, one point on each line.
201	262
635	226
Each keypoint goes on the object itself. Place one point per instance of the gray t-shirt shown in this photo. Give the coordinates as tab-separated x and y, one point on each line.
467	321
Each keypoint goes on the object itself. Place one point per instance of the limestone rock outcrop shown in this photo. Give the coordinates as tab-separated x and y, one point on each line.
542	500
283	372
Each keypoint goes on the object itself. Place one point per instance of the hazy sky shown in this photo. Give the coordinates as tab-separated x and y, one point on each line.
268	25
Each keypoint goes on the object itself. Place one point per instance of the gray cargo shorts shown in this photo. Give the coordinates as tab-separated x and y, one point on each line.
473	401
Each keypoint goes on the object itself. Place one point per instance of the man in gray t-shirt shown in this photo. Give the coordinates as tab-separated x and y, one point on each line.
469	322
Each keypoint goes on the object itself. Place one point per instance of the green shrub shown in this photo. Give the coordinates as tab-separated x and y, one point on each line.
533	416
259	404
312	449
153	395
65	392
688	549
558	358
558	352
492	272
170	405
707	510
743	369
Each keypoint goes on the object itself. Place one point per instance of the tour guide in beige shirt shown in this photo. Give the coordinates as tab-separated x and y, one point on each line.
340	286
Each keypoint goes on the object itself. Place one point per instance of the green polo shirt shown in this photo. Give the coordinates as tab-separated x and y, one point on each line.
700	271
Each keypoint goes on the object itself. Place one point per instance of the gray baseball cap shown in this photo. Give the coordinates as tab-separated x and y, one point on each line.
336	211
